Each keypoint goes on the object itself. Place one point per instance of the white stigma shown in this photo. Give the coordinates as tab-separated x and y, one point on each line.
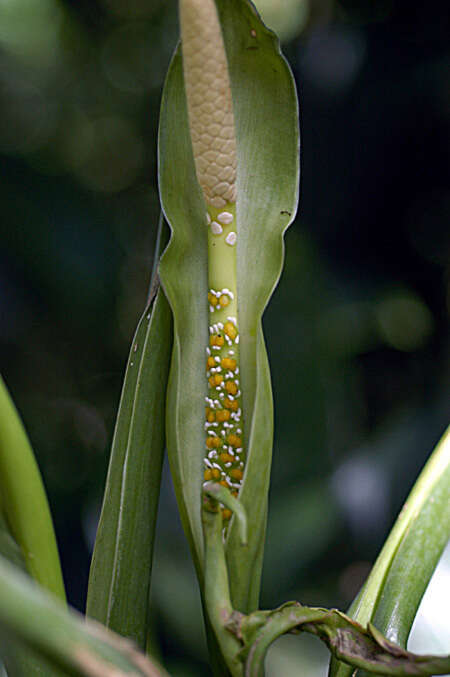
231	238
216	228
225	218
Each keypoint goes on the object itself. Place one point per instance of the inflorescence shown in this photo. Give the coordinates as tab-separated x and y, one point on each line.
224	451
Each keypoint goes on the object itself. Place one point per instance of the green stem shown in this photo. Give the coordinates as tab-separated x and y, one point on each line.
223	495
348	640
216	589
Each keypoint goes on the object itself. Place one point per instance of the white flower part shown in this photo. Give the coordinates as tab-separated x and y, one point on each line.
209	101
225	218
216	228
208	218
231	238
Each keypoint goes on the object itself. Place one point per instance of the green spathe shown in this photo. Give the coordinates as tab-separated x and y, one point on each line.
266	118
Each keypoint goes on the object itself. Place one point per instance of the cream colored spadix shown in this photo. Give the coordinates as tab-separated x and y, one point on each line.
210	106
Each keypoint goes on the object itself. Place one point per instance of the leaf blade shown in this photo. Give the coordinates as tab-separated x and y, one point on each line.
24	501
42	624
121	564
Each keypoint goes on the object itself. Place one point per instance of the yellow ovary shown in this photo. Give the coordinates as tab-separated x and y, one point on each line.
224	440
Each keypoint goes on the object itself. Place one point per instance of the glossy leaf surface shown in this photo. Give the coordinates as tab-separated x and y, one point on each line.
266	118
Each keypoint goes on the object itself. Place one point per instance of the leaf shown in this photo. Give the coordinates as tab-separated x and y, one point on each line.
392	593
8	546
24	501
266	118
122	561
17	660
20	661
43	625
348	640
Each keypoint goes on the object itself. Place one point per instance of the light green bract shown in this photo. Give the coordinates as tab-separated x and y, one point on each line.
267	140
392	593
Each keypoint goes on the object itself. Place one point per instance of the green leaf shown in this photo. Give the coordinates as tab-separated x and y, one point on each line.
8	546
20	661
266	118
24	502
44	626
392	593
17	659
347	639
121	566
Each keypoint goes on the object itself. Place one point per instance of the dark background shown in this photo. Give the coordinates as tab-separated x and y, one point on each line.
357	331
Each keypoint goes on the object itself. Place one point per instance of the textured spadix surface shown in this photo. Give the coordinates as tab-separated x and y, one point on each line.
210	106
266	121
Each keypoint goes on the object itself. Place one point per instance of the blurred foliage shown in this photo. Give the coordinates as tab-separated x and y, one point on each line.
357	332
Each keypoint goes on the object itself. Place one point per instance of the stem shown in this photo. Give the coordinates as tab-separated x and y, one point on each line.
217	592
